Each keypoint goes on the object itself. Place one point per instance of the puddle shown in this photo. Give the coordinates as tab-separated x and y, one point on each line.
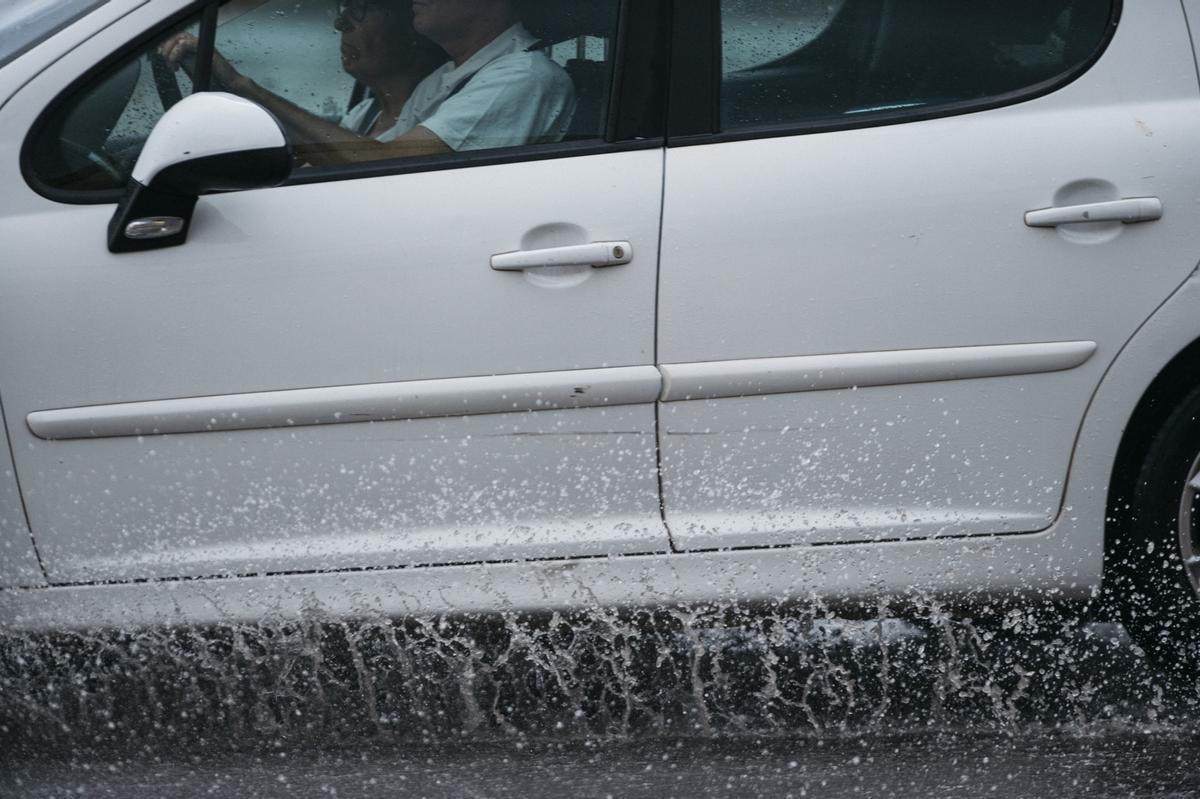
711	672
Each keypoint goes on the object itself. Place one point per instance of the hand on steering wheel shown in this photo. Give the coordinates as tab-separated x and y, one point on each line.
166	84
181	49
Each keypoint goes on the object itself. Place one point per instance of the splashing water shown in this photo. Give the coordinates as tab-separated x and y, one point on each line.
712	670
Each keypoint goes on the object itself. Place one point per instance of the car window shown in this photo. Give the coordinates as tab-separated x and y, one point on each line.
756	33
290	48
350	81
94	138
793	61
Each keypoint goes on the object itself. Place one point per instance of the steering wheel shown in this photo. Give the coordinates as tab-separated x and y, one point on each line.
166	84
100	160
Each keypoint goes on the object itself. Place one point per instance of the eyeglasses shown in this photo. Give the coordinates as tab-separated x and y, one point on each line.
355	9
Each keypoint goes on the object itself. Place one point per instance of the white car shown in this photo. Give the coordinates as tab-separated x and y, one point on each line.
849	299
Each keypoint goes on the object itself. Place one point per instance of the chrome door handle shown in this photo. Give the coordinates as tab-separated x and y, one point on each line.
1131	209
598	253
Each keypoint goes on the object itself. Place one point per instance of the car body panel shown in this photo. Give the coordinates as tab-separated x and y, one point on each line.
466	489
1063	563
911	236
914	491
337	283
960	571
1191	10
240	333
21	69
18	560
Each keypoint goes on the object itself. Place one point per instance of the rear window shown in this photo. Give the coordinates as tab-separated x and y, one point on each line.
794	61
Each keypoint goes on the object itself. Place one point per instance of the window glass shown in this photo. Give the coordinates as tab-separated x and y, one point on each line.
789	61
288	48
353	81
93	140
757	33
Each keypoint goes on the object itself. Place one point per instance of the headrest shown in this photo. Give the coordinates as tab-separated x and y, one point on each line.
559	20
1005	21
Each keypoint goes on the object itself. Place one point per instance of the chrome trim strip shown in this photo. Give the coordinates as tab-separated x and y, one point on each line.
379	402
742	378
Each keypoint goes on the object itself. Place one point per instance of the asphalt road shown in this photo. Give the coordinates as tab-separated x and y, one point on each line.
1149	764
688	703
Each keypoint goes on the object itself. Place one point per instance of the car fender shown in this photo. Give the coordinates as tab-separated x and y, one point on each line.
1173	326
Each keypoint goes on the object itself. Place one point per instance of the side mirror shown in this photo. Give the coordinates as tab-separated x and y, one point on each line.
207	142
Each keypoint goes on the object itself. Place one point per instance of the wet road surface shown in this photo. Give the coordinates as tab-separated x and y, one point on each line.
687	702
1097	766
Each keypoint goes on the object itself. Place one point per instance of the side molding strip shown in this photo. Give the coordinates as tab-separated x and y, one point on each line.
542	391
743	378
377	402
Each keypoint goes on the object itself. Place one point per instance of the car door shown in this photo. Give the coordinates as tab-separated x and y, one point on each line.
19	567
864	336
329	374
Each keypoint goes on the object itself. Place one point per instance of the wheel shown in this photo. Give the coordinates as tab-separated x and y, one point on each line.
1157	553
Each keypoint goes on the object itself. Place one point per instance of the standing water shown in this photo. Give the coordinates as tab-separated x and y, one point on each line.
705	700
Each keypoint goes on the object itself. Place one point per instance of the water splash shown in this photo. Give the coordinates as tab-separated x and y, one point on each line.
709	670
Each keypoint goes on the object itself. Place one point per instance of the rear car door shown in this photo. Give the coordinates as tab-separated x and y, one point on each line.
329	374
864	336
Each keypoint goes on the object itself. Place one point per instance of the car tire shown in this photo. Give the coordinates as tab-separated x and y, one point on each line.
1157	547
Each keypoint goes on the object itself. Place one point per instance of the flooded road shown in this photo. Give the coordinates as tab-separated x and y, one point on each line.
712	701
1145	764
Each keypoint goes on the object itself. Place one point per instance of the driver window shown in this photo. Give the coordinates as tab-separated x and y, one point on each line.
288	48
352	81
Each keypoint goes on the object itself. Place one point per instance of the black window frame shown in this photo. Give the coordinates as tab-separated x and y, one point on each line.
695	109
636	118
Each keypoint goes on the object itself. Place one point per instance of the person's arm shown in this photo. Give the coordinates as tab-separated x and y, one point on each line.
318	141
352	149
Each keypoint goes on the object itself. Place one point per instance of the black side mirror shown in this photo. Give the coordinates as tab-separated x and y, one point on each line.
207	142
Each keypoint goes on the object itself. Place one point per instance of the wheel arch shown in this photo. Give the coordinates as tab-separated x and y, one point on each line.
1175	379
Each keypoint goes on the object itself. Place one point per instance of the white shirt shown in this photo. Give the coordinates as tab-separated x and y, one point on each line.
502	96
362	117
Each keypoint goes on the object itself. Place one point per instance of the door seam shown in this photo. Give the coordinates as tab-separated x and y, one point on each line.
658	427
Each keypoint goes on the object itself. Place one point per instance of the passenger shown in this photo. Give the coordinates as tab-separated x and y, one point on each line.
379	49
495	91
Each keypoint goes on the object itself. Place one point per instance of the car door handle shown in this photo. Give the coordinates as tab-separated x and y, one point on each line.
1131	209
598	253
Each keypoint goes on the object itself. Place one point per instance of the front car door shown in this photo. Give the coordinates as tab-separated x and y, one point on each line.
862	336
328	374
